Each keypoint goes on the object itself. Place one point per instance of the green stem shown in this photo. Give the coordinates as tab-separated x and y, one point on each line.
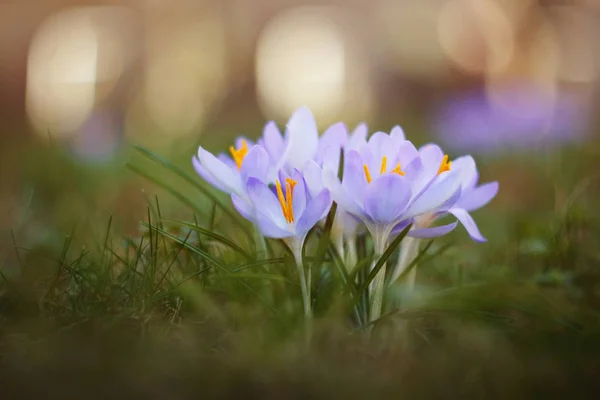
377	285
409	249
295	246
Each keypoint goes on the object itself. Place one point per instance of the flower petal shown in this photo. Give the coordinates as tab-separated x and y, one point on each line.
468	171
313	178
436	231
386	197
273	141
358	137
340	195
299	196
269	229
303	138
316	209
467	221
229	179
442	192
354	180
204	174
266	202
478	197
244	207
256	164
397	133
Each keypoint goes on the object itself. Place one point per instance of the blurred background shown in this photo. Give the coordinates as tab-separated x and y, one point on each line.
515	83
81	82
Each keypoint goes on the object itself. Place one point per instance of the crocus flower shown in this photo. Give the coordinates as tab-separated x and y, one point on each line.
387	183
382	193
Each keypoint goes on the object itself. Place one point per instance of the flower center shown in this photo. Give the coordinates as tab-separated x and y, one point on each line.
286	201
445	165
382	170
239	154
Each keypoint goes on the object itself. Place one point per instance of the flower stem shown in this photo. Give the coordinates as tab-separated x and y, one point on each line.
378	288
352	258
304	286
409	249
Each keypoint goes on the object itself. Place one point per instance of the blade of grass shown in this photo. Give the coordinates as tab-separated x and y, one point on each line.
214	262
215	236
157	159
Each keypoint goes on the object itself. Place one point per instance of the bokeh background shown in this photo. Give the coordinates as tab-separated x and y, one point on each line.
515	83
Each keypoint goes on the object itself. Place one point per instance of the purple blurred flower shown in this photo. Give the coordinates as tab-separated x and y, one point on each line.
520	117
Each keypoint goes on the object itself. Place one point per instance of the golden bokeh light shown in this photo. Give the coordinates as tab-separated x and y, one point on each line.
477	35
70	54
301	60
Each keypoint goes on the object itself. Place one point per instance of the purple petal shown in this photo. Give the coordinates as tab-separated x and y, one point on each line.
316	209
397	133
229	179
432	232
358	136
266	202
256	164
476	198
244	207
354	180
204	174
443	192
313	178
273	141
303	138
467	221
269	229
400	227
468	171
299	196
339	194
386	197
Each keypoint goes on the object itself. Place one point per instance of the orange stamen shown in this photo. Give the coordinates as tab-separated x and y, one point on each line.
367	173
445	165
383	165
286	201
397	170
239	154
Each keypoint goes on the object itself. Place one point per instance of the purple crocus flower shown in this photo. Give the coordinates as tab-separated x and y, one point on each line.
382	193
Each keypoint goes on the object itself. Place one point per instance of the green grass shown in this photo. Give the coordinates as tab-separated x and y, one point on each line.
187	306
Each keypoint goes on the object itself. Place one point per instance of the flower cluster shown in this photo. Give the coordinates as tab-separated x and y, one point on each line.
285	184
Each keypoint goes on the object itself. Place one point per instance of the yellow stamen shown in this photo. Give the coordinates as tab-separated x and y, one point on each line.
286	201
397	170
383	165
445	165
367	173
239	154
